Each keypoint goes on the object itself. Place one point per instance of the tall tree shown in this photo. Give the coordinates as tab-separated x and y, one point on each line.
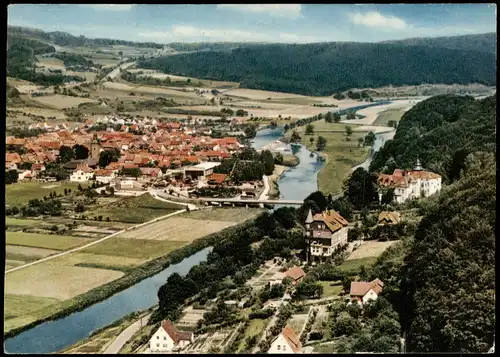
108	156
65	154
321	143
361	188
348	130
309	129
81	152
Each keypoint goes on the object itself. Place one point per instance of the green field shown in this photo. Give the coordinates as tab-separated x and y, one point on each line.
392	114
234	214
135	209
134	248
331	288
255	328
22	309
321	125
20	193
15	222
49	241
341	156
353	266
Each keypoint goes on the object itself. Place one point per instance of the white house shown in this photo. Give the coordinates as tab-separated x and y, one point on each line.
286	342
105	176
168	338
410	184
362	291
82	173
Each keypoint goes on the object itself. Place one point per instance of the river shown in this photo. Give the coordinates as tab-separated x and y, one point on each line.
52	336
300	181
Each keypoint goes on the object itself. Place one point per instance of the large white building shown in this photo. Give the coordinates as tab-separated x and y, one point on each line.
168	338
82	173
325	233
410	184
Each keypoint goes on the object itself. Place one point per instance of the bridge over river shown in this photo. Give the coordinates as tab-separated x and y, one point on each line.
252	201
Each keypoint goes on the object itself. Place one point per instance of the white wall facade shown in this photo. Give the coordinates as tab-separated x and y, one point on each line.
80	176
161	341
280	345
370	295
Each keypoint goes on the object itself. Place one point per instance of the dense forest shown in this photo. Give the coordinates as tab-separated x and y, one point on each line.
448	280
441	131
324	68
486	42
66	39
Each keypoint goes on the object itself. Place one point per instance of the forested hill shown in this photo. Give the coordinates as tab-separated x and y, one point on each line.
66	39
486	42
441	131
323	68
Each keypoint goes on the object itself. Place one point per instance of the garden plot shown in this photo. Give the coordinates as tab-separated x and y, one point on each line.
264	275
191	317
321	318
370	249
178	229
297	322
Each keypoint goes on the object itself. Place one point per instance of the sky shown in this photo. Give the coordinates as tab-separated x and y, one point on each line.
288	23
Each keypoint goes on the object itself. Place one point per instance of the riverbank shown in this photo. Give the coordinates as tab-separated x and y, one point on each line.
100	340
274	192
341	154
290	160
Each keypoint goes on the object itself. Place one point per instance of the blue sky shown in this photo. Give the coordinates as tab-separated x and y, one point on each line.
294	23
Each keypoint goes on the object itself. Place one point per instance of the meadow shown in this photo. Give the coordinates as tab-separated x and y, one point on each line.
138	209
21	192
384	117
341	155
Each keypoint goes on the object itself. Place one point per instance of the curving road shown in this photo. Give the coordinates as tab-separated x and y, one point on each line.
126	335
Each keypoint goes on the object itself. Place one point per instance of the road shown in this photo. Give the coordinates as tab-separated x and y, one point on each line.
126	335
91	244
116	71
158	197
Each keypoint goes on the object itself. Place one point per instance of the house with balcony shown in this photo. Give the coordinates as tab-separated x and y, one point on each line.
326	232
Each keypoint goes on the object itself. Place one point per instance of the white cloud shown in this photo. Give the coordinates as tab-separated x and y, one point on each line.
377	20
155	35
122	7
197	34
291	11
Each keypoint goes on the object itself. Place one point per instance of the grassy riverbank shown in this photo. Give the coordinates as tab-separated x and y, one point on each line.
102	292
341	154
274	191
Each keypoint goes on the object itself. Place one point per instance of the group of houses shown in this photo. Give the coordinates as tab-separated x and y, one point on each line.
153	153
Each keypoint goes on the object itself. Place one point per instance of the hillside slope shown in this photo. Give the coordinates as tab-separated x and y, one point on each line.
486	42
321	69
441	131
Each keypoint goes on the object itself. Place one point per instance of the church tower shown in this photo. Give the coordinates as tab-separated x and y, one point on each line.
95	147
418	167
